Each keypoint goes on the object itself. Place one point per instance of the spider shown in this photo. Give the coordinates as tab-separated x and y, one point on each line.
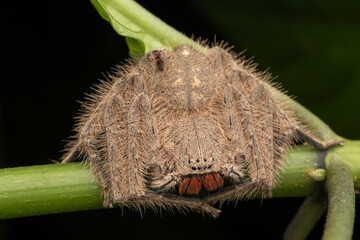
185	129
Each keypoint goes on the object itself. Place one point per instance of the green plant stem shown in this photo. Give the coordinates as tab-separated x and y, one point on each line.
143	30
46	189
306	218
341	214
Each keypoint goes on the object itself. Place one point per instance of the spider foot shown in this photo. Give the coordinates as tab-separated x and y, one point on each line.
319	145
334	142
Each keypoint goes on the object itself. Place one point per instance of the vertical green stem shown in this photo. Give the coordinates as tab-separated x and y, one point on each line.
340	218
306	218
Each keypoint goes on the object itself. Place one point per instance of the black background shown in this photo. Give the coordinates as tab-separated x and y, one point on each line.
56	50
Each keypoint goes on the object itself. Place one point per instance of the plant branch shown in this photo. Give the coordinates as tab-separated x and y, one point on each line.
341	214
143	30
305	219
46	189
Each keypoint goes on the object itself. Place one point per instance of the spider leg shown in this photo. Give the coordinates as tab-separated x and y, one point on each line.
262	107
290	129
183	203
131	139
142	138
239	111
89	138
112	113
116	134
315	142
72	152
255	108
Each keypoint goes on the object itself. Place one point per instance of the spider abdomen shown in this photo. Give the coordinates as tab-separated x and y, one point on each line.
190	80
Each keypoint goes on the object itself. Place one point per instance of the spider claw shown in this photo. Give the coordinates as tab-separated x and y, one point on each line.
335	143
247	182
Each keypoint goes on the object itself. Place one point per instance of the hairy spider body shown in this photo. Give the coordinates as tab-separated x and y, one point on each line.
188	122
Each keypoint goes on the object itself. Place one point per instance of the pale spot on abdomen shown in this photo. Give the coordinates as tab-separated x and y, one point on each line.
196	82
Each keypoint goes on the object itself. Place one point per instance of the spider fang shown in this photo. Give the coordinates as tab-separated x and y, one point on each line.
193	185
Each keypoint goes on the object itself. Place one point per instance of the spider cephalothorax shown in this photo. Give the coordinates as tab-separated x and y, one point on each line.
186	129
